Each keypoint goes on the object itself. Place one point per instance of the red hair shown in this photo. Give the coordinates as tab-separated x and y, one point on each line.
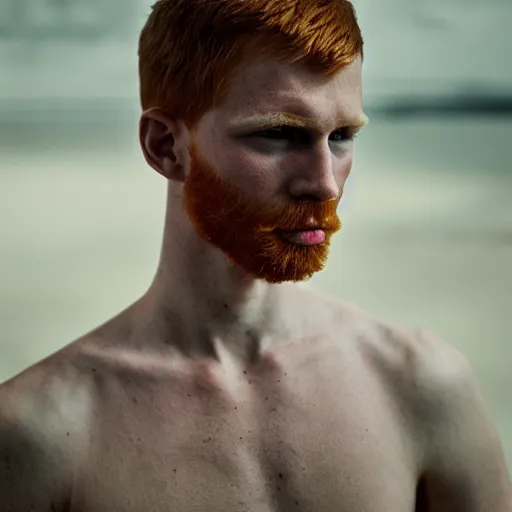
189	49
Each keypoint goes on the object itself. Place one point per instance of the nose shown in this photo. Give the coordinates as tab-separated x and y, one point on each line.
318	175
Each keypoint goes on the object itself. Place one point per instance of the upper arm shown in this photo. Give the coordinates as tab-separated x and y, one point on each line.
32	471
464	467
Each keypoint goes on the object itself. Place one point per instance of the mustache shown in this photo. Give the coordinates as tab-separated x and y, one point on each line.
303	215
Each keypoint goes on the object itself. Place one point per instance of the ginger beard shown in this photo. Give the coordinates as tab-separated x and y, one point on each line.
247	230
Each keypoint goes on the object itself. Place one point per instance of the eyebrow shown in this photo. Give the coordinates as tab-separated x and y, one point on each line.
266	121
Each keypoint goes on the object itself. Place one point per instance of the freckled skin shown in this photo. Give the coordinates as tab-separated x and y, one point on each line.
304	426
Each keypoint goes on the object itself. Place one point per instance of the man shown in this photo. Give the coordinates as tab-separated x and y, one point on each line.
227	387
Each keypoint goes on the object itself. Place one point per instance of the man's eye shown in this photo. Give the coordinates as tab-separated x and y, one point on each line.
343	135
292	133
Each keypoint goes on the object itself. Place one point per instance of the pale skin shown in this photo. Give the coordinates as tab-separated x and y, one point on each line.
219	392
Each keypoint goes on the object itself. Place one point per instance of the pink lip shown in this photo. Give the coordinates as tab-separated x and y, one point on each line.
306	237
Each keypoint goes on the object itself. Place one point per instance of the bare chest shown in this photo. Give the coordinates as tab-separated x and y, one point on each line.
312	437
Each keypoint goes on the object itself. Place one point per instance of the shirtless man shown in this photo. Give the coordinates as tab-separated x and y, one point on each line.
227	387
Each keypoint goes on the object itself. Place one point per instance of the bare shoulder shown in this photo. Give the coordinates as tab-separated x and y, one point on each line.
43	411
462	461
415	364
461	458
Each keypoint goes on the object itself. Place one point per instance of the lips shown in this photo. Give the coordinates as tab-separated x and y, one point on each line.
304	237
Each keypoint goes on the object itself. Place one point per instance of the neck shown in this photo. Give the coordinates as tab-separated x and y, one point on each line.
201	303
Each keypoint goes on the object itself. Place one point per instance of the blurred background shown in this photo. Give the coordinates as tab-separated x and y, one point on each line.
428	210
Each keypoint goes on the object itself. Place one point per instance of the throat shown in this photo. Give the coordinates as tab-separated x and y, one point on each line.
244	348
223	335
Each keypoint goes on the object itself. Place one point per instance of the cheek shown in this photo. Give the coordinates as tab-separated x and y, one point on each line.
250	172
345	166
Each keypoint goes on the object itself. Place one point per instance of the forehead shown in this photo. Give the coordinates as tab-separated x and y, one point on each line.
267	86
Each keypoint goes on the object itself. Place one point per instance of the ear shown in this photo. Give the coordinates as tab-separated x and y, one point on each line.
164	142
